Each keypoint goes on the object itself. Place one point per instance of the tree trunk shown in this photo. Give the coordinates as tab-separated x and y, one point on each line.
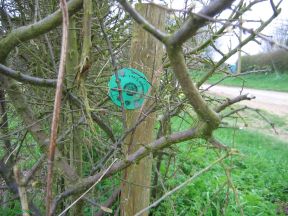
146	55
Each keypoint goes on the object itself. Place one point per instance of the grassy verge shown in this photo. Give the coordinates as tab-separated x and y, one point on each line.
267	81
260	175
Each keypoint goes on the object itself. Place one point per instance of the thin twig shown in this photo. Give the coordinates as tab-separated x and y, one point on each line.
143	22
142	152
234	111
72	204
119	141
197	174
232	52
195	22
251	31
115	68
265	119
235	75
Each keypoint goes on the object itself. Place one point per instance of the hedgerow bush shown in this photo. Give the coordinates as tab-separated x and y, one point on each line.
274	61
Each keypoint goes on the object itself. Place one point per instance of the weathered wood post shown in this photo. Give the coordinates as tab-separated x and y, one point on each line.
145	55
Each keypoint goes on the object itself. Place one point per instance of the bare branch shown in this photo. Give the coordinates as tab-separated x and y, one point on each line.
195	99
229	75
273	6
142	152
6	174
190	27
25	33
232	52
143	22
217	143
57	105
237	99
264	37
234	16
98	180
115	68
52	83
38	164
119	141
21	77
234	111
75	100
196	175
33	125
265	119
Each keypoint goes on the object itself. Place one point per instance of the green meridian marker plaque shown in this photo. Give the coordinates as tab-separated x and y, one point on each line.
134	85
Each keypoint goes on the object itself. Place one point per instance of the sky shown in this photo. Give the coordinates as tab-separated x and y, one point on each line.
261	11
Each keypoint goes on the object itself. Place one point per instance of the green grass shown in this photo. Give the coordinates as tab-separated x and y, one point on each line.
267	81
260	174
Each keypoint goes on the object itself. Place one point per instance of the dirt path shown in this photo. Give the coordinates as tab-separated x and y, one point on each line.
271	101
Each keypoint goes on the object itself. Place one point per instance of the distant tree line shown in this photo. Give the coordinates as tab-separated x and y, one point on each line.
275	61
273	58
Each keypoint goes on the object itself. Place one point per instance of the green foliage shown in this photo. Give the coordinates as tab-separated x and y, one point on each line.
13	210
267	81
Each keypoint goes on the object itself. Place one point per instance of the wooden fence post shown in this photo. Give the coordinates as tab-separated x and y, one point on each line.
146	56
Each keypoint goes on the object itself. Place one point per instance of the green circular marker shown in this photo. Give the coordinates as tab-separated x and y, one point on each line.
134	86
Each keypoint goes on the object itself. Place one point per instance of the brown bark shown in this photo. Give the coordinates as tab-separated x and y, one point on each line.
57	106
146	56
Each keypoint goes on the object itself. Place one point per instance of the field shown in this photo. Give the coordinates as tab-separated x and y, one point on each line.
267	81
